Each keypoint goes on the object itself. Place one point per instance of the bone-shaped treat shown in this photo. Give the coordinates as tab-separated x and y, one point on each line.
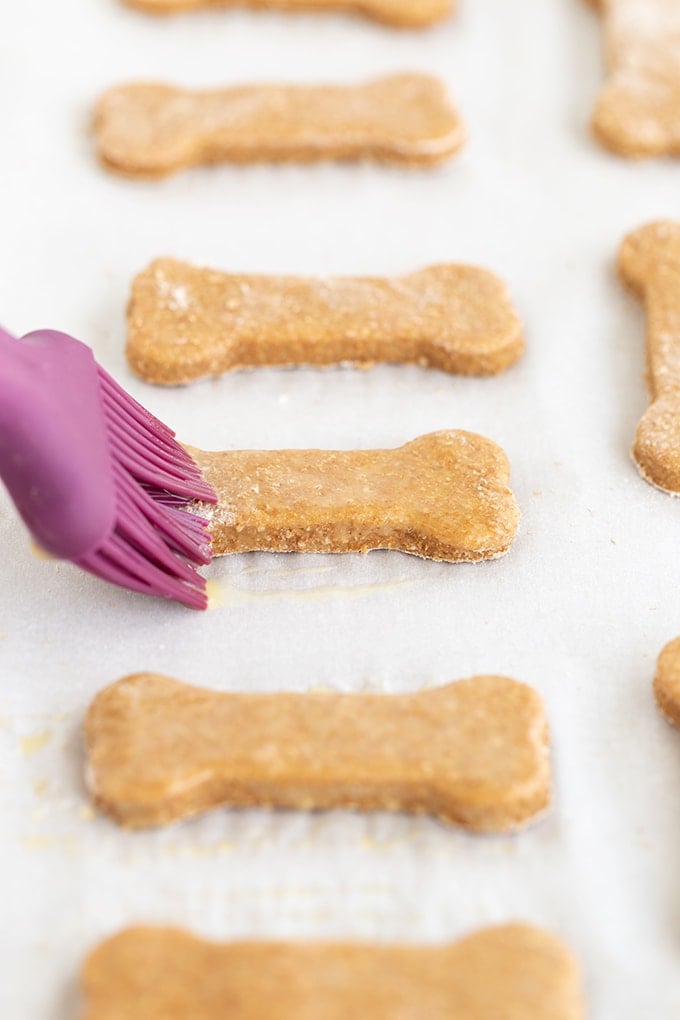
474	753
186	323
510	972
401	13
638	111
649	264
667	682
444	496
151	130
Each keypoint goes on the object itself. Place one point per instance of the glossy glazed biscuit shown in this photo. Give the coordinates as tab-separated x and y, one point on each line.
186	323
667	682
638	111
473	753
649	264
443	496
510	972
153	130
401	13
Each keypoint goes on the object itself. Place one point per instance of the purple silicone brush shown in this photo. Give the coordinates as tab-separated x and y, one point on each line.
97	479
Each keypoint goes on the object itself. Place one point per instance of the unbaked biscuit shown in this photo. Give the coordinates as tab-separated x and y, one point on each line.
474	753
187	323
151	130
638	111
649	264
400	13
667	682
444	496
511	972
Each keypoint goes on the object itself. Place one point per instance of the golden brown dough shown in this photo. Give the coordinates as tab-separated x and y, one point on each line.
444	496
400	13
667	682
150	130
186	323
638	111
474	753
649	264
513	972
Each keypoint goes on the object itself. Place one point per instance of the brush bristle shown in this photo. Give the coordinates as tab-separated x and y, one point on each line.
156	543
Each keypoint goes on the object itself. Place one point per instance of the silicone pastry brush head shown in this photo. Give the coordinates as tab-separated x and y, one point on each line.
97	479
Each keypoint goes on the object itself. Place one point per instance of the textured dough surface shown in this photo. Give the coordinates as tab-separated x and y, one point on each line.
444	496
474	753
638	110
187	323
400	13
667	682
151	130
649	265
513	972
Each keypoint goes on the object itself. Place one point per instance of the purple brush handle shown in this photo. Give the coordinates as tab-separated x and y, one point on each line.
54	453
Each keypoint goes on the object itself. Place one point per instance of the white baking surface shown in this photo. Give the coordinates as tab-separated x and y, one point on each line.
580	607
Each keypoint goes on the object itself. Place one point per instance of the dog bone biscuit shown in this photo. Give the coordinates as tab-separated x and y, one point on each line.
638	111
474	752
509	972
649	264
186	323
401	13
667	682
152	130
443	496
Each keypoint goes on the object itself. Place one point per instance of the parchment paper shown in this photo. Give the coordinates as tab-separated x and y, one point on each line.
579	608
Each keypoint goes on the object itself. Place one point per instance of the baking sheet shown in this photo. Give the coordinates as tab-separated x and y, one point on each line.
579	608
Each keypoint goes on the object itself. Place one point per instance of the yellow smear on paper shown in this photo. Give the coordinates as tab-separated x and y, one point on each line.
226	596
39	552
214	593
35	742
40	842
63	843
288	571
